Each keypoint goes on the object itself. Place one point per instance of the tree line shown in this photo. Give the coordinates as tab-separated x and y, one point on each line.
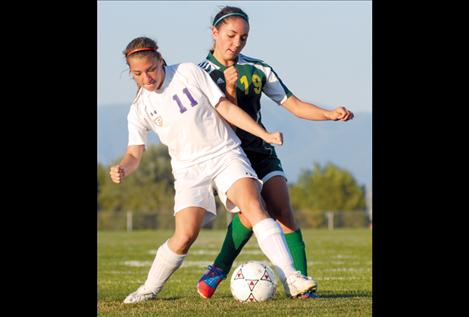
150	191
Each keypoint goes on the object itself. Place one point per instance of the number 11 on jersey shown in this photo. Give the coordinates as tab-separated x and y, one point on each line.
183	109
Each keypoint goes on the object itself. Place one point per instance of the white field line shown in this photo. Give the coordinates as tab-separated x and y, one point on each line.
344	263
212	252
137	263
341	278
345	256
204	264
197	265
189	263
348	269
186	263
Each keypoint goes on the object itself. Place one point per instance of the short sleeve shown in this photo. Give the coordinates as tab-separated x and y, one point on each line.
138	132
274	88
207	86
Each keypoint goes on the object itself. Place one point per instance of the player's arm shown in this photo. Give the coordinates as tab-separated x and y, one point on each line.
129	163
309	111
238	117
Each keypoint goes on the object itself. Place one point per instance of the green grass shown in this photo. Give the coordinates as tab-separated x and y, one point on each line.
339	260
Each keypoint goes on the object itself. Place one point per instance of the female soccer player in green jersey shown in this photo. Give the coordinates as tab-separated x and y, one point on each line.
243	79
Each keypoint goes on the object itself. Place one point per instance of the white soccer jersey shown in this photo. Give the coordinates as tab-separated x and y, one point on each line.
182	113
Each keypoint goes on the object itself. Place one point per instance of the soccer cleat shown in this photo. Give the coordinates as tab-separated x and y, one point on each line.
140	295
297	284
209	282
308	295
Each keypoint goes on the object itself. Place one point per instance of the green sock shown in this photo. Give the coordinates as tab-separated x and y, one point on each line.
236	237
297	249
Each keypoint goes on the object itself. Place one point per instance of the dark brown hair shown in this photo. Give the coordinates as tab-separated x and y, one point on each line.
142	46
230	12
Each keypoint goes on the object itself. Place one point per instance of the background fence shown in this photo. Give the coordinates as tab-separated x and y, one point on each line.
143	220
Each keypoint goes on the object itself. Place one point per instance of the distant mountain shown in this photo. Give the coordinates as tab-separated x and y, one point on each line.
113	133
346	144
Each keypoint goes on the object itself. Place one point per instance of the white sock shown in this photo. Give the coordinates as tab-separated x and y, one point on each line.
166	263
273	244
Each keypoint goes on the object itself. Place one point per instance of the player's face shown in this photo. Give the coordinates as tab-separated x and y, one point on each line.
230	39
147	71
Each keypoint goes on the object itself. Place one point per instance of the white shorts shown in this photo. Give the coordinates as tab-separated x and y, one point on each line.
194	186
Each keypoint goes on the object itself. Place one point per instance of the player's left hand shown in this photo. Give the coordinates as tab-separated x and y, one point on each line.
342	114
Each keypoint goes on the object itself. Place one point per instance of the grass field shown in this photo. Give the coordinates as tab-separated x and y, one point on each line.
339	260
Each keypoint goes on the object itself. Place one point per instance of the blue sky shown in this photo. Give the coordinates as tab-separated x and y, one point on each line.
322	50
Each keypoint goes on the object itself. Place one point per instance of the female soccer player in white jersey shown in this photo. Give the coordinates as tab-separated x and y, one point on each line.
185	108
243	79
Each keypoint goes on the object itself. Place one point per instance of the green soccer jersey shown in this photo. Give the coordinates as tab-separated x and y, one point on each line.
254	77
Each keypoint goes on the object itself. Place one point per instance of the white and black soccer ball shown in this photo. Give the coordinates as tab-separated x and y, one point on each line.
253	282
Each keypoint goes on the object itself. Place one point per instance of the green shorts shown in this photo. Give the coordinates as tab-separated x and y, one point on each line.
265	165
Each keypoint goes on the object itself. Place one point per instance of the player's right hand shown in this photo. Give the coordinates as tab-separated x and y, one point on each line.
231	77
274	138
117	173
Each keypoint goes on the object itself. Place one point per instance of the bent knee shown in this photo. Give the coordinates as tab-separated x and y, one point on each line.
184	240
253	207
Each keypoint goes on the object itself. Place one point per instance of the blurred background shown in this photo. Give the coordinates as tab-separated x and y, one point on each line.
321	50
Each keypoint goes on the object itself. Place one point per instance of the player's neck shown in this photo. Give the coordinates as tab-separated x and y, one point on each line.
221	60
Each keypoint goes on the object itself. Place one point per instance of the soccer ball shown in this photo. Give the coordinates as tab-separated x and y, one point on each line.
253	282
